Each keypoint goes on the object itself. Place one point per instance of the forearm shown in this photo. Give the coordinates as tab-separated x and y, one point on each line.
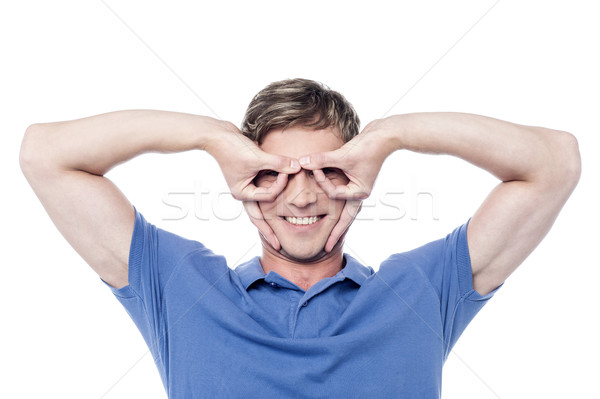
507	150
97	143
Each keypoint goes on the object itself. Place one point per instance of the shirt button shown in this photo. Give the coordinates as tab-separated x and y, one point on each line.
273	285
305	303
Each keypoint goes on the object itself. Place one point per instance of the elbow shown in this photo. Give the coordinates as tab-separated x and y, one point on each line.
30	155
572	159
566	161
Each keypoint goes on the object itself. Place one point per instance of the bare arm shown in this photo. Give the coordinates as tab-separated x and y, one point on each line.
538	169
65	163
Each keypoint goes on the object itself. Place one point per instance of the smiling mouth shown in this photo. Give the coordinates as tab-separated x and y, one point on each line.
302	221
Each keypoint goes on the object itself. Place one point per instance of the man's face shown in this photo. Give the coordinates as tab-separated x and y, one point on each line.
302	216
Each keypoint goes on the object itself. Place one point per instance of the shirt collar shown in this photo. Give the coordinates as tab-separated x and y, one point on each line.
356	271
252	271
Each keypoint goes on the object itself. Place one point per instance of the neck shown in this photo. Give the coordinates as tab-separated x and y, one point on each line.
303	274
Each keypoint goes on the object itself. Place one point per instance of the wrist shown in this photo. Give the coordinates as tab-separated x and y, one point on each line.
219	137
397	128
388	132
210	133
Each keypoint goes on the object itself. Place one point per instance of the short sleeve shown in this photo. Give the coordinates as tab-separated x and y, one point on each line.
153	256
462	301
447	265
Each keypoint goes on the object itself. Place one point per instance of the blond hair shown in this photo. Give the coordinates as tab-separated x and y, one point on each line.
302	102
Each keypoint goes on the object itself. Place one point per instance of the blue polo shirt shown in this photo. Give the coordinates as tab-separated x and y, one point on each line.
215	332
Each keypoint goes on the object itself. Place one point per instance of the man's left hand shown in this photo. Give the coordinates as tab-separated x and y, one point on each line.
360	159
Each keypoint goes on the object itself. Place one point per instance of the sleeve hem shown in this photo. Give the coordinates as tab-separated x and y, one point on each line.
463	262
123	292
465	270
134	262
136	252
475	296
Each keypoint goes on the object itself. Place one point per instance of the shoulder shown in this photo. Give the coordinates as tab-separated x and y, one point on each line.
435	261
156	254
149	238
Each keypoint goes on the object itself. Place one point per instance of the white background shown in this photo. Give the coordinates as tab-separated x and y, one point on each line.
531	62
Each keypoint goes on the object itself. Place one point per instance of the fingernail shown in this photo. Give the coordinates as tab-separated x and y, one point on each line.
304	160
294	164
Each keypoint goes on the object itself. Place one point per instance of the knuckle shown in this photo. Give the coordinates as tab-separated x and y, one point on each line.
236	196
269	197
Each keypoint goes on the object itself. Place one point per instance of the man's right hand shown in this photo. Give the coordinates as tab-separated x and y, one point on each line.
241	160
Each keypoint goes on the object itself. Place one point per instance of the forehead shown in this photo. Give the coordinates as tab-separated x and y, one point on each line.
296	141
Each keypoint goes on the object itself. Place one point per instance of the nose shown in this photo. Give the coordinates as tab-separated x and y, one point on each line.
302	189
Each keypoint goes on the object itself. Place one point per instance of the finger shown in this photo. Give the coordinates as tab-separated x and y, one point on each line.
257	218
348	215
266	194
321	160
350	191
279	185
332	190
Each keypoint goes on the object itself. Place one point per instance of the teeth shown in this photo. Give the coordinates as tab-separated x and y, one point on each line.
302	221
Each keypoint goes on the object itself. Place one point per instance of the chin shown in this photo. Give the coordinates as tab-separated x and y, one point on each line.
303	255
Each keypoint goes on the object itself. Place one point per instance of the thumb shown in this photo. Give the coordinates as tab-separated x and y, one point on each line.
281	164
321	160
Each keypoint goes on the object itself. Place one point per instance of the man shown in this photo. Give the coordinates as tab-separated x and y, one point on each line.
304	319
